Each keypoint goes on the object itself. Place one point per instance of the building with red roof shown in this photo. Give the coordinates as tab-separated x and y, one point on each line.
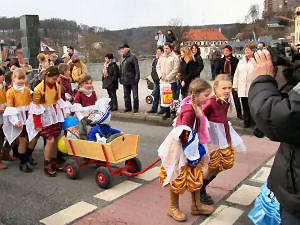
204	38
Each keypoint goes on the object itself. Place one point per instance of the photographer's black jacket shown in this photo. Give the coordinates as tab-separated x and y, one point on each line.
279	119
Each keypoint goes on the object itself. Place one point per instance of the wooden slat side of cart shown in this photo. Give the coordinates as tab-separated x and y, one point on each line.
119	150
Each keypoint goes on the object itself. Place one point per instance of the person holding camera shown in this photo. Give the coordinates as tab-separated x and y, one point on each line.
278	118
160	38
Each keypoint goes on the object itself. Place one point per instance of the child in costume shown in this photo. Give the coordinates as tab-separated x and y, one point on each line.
182	151
100	118
46	116
2	108
15	115
64	81
85	98
224	140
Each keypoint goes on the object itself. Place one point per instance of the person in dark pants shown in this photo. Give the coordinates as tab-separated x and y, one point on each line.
196	51
129	77
213	57
278	117
154	75
228	65
110	76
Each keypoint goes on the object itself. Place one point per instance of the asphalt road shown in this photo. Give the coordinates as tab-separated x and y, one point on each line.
28	198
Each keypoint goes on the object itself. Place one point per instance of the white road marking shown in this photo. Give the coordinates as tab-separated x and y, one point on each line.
224	215
261	175
117	191
150	174
69	214
270	162
245	195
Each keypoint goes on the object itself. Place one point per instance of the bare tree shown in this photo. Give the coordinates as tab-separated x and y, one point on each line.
252	13
179	30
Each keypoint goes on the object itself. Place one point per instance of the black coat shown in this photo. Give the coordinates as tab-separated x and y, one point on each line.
111	81
188	71
129	70
170	38
220	65
154	74
279	119
200	65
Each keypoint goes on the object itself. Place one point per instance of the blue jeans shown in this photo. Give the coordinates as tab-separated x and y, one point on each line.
287	218
156	95
127	96
212	67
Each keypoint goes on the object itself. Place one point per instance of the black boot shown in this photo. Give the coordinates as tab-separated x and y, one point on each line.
29	156
205	198
24	165
15	151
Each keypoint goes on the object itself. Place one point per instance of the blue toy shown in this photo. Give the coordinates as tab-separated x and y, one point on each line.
69	121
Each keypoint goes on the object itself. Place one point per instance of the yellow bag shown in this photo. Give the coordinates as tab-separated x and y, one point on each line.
61	145
166	95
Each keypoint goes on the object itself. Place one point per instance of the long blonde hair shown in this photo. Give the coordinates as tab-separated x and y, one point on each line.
188	55
222	77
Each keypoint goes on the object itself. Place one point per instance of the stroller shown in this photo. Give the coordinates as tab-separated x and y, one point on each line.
150	86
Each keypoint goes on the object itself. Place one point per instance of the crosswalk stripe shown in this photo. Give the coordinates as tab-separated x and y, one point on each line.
224	215
69	214
261	175
245	195
117	191
150	174
270	162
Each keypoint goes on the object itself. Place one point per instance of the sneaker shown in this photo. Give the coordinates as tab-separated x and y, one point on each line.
206	199
24	167
49	171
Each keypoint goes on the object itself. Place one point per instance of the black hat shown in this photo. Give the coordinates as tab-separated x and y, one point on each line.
109	56
124	46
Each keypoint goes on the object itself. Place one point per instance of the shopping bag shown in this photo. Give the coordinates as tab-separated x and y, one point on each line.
166	95
266	208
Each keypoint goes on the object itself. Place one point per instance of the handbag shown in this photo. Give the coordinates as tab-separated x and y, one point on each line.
166	95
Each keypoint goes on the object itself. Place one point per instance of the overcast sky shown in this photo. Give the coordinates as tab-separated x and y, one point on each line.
122	14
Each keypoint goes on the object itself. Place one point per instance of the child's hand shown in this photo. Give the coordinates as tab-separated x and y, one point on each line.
18	124
182	83
198	111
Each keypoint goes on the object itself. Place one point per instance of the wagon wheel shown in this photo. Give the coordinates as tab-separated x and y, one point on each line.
149	99
72	169
103	177
135	164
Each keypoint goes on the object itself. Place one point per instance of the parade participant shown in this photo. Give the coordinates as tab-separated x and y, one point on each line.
85	98
110	76
2	108
224	140
46	116
15	116
64	81
179	171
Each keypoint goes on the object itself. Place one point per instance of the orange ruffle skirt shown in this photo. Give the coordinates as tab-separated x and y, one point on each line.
221	159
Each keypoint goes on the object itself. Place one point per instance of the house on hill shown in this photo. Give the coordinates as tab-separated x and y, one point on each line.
204	38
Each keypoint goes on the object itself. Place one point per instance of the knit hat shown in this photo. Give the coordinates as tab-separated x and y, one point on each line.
124	46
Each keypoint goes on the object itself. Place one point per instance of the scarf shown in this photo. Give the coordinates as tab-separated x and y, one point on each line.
203	129
227	65
86	92
19	88
105	74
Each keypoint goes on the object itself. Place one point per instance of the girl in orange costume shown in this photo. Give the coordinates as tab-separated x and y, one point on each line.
177	171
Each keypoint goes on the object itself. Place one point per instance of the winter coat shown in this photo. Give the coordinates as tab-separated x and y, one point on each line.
79	72
243	77
111	81
168	66
188	71
220	65
129	70
279	119
200	65
214	55
170	38
154	74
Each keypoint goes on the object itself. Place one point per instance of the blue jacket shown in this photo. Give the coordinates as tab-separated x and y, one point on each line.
103	130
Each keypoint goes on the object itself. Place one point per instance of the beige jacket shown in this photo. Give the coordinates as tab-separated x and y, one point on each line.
168	66
243	77
79	72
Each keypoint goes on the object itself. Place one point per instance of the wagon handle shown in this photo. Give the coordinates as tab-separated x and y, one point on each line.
143	171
